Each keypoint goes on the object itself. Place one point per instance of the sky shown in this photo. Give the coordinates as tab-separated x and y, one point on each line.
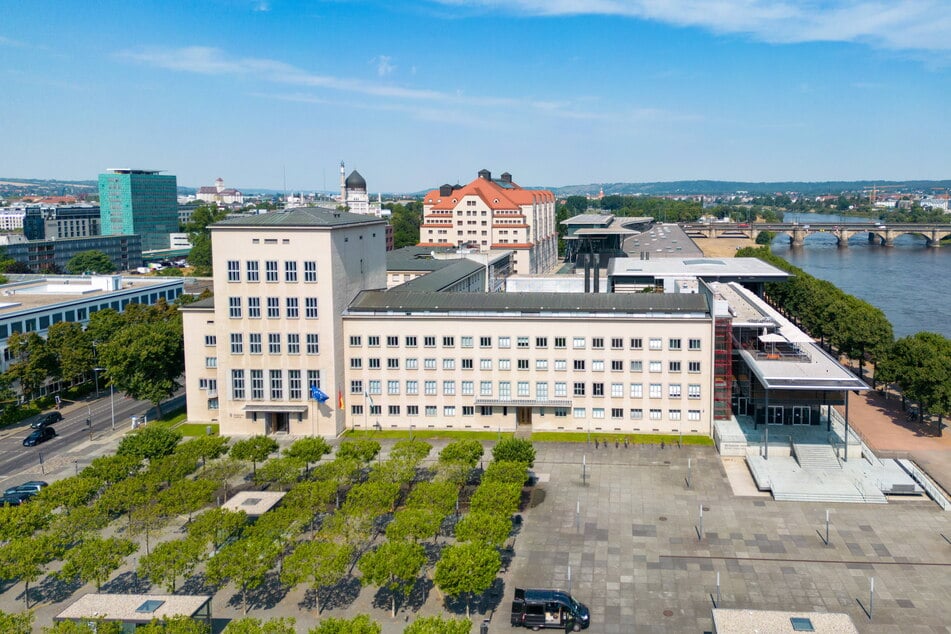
275	93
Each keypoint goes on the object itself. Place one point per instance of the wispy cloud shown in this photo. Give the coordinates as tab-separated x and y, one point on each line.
6	41
262	7
912	25
384	65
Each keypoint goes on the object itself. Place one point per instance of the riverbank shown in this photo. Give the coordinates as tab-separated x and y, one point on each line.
722	247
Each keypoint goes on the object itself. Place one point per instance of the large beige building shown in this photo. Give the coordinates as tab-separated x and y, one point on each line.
492	214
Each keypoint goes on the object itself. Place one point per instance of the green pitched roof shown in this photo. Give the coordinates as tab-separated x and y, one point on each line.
300	217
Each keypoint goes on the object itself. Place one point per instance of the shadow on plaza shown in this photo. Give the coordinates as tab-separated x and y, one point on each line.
339	596
480	604
266	596
127	583
196	584
52	589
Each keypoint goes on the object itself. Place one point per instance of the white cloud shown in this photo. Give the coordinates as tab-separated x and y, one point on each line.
6	41
383	65
915	25
262	7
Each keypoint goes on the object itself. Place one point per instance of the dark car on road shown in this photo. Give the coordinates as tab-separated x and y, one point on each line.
32	488
15	499
39	435
46	420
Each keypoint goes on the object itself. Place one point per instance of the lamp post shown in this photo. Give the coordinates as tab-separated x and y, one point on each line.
112	404
96	372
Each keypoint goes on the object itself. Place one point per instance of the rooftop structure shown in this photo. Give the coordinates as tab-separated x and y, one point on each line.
137	609
253	503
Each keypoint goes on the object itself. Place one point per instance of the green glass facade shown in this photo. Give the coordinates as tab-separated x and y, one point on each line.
139	202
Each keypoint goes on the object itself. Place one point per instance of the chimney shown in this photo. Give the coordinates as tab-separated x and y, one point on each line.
587	272
506	177
485	175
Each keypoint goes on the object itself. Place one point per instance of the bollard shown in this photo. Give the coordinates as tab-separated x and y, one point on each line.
484	628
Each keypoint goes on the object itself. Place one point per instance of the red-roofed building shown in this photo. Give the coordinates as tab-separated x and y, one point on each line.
494	214
220	194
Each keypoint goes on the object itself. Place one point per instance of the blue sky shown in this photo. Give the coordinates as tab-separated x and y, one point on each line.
414	94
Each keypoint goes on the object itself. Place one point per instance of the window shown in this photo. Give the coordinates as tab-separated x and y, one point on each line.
656	390
597	412
274	343
485	388
468	388
356	340
374	387
253	271
356	363
693	344
561	364
290	271
505	390
578	412
392	342
356	386
254	343
637	390
393	410
637	366
292	310
597	342
254	307
561	389
468	410
430	388
273	307
637	413
578	364
673	366
373	341
541	342
541	364
356	409
617	365
577	342
257	385
579	389
597	389
637	343
522	389
541	391
522	364
412	410
485	342
505	342
412	387
429	342
270	270
448	364
293	343
429	364
617	343
617	390
673	343
412	363
617	413
521	342
597	366
467	364
234	271
373	363
277	385
310	271
410	342
560	342
237	384
655	414
656	366
234	307
561	412
449	388
673	390
448	342
313	378
693	366
693	414
673	414
465	342
237	343
294	385
430	410
693	390
310	307
505	364
313	344
656	343
485	364
392	363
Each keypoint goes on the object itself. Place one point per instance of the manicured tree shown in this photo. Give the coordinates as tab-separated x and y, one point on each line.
254	450
310	495
204	448
414	450
95	559
319	563
506	471
71	526
149	442
440	496
92	261
88	625
32	361
172	468
399	470
174	625
373	498
514	450
415	524
360	624
16	623
245	562
111	469
362	450
496	497
187	496
24	520
128	494
393	565
438	625
25	558
217	526
491	528
250	625
343	471
467	451
467	569
74	352
308	450
171	560
281	471
69	493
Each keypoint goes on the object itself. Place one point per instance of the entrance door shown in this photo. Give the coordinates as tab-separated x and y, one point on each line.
774	415
801	415
280	422
523	415
742	405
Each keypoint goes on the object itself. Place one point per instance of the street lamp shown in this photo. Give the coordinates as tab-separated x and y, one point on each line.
96	372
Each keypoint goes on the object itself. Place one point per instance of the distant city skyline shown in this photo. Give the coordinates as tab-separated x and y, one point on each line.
557	92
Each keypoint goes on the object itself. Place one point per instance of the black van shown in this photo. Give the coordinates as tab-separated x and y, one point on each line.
549	609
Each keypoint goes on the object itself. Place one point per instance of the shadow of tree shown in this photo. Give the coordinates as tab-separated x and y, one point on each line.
54	589
383	597
196	584
340	595
127	583
418	594
266	596
484	603
433	552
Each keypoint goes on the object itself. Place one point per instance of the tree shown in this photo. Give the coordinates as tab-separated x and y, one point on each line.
414	523
250	625
174	625
33	362
514	450
171	560
319	562
393	565
217	526
103	325
405	220
73	350
245	562
88	625
150	442
310	495
185	497
204	448
199	235
23	520
467	569
111	469
362	450
308	450
372	498
921	367
254	450
145	360
491	528
281	471
496	497
440	496
438	625
25	558
90	262
360	624
506	471
95	559
467	451
413	450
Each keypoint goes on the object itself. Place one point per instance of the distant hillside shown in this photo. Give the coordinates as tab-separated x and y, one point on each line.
713	188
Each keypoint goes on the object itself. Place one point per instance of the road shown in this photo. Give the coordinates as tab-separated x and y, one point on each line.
72	433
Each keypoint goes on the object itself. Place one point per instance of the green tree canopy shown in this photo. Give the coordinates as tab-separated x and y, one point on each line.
90	262
514	450
438	625
95	559
171	560
283	471
467	569
468	451
254	450
149	442
216	526
394	565
308	450
146	360
319	563
415	524
491	528
250	625
362	450
496	497
72	348
88	625
360	624
506	471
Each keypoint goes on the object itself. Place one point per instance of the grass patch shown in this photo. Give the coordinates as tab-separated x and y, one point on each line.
636	439
403	434
197	429
170	419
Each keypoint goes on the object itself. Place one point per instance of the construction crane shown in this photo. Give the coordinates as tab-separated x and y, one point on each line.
874	190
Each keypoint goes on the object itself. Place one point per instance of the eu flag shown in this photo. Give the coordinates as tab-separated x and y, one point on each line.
317	394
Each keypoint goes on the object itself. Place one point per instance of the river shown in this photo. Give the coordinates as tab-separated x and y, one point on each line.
908	282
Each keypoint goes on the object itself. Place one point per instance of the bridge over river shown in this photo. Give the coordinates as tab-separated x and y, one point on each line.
883	234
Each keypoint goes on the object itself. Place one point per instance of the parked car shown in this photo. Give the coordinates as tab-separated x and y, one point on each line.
32	487
553	609
15	499
39	435
47	420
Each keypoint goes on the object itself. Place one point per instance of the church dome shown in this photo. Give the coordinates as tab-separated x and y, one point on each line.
355	181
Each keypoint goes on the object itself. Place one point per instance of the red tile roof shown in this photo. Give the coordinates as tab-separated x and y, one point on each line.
491	193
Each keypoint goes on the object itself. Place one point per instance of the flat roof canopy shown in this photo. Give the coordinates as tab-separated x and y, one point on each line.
254	503
136	608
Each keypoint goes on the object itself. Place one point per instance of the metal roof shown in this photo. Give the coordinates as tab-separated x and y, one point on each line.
589	219
300	217
453	271
398	300
416	259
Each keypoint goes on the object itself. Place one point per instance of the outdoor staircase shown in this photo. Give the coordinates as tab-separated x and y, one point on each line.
859	496
816	457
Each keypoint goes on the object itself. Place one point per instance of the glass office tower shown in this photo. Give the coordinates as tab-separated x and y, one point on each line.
142	202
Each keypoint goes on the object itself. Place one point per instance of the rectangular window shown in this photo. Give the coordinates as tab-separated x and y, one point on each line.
429	364
617	365
505	389
578	364
274	343
252	267
429	342
273	307
693	390
448	364
277	385
637	413
373	341
294	391
505	364
673	343
313	378
617	390
693	366
392	341
522	389
656	390
578	412
448	342
637	343
411	342
310	271
579	389
541	364
561	364
597	412
560	342
356	409
561	412
237	384
522	364
467	364
637	366
577	343
293	312
356	363
597	366
393	410
356	386
234	271
655	414
412	388
485	342
392	363
541	391
412	410
673	390
254	307
673	366
521	342
254	343
429	388
617	343
412	363
270	270
310	307
374	387
485	364
617	413
449	388
673	414
597	389
637	390
465	342
356	340
561	389
693	344
656	343
293	343
290	271
541	342
373	363
234	307
505	342
468	388
693	414
468	410
237	343
597	342
656	366
257	385
485	388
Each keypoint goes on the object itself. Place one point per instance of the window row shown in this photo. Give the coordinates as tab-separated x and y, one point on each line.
597	413
577	343
523	389
272	307
272	271
261	384
559	365
275	343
